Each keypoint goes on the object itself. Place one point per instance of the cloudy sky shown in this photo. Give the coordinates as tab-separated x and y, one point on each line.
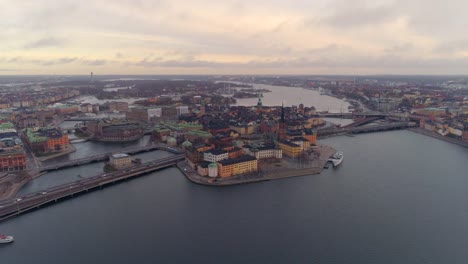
234	37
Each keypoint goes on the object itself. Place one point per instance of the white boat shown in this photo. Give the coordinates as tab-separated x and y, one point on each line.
79	140
6	239
336	159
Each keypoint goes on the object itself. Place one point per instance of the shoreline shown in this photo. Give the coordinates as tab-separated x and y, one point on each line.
281	173
437	136
48	157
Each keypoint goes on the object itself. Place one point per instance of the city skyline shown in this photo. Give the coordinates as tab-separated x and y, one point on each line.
234	37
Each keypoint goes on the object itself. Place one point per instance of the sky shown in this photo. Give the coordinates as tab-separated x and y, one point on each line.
356	37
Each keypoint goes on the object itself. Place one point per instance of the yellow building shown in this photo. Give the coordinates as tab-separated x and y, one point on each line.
290	149
236	166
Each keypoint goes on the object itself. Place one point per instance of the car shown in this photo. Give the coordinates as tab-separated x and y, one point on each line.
18	199
185	169
44	192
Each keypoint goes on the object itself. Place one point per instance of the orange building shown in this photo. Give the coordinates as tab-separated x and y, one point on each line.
13	162
236	166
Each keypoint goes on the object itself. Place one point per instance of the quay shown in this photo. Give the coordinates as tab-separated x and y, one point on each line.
13	207
269	172
438	136
102	157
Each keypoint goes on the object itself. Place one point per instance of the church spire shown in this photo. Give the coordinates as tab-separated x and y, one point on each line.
282	112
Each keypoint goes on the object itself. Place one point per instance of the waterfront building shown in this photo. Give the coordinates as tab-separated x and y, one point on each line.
237	166
213	170
120	160
202	168
46	140
114	130
66	109
215	155
290	149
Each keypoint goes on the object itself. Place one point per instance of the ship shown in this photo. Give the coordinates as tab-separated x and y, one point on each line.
6	239
336	159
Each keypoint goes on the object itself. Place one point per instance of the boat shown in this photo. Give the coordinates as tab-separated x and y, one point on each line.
79	140
6	239
337	158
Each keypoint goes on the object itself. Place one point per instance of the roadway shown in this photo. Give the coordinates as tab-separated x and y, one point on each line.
15	206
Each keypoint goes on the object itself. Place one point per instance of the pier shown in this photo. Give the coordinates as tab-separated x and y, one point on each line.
13	207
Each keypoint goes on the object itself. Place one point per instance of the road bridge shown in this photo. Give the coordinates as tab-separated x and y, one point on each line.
105	156
13	207
365	129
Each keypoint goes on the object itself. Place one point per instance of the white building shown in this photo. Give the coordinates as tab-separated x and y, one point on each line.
215	155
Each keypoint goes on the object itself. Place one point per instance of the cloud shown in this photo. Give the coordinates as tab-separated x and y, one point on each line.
64	60
350	14
8	70
95	62
45	43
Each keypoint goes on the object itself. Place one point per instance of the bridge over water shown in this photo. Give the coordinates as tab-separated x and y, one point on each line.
13	207
365	129
105	156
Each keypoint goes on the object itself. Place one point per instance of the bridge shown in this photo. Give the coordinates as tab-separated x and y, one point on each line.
352	115
105	156
365	129
13	207
83	119
363	121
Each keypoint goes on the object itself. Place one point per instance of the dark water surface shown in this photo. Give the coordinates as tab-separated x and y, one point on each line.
398	197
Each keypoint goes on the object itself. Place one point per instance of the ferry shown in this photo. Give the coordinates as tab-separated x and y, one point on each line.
337	158
6	239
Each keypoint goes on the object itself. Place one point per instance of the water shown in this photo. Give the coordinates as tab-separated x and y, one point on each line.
85	149
295	96
398	197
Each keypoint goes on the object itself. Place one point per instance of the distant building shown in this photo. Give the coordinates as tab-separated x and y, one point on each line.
117	106
114	130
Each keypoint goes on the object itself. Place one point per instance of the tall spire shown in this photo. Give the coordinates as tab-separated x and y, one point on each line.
282	112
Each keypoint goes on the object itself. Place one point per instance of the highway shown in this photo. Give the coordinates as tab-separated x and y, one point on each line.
15	206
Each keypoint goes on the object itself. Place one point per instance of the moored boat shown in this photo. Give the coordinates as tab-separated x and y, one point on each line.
6	239
337	158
